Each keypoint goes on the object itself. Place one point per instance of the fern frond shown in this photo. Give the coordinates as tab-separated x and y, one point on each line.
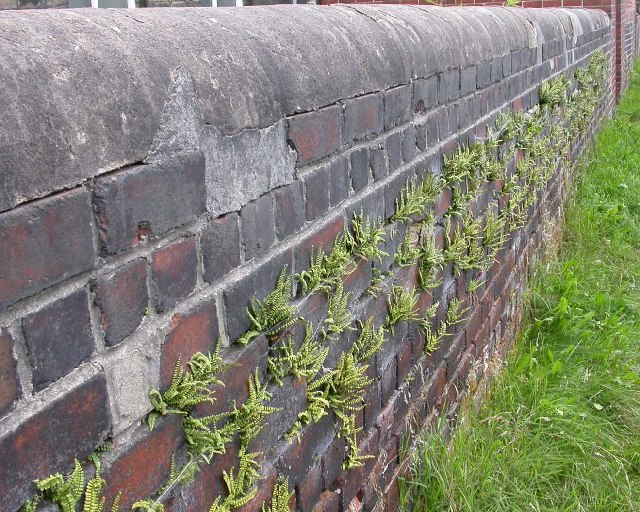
407	252
280	497
148	506
402	306
338	318
272	316
366	238
369	341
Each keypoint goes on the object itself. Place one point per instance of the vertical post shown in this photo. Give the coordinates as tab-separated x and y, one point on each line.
94	4
131	4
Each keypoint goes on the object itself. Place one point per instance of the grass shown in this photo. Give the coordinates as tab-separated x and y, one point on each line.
560	430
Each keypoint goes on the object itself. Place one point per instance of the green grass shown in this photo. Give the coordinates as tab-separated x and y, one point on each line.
560	430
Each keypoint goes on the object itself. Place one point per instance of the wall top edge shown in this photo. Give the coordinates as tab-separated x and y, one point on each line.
86	91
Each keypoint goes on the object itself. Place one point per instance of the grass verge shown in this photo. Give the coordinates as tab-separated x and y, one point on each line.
560	430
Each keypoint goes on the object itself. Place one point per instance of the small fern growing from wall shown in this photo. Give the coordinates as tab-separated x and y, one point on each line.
366	237
273	316
189	387
402	306
280	498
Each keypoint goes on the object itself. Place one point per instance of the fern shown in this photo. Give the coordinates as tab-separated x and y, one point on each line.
248	418
338	318
204	439
369	341
414	199
273	316
280	498
402	306
188	387
366	238
463	164
306	362
327	270
148	506
407	252
431	261
92	500
64	492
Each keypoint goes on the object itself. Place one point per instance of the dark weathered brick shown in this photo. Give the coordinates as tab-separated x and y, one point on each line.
122	299
408	143
421	136
506	65
363	116
43	243
397	106
174	272
379	163
131	472
496	70
191	332
339	185
10	388
425	94
371	205
449	85
58	338
329	501
388	381
257	282
332	460
483	74
220	247
306	451
289	209
258	226
309	489
359	168
393	144
316	134
316	192
468	80
71	425
290	399
442	117
146	201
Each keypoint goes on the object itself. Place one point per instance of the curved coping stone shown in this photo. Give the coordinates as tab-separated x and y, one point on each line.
84	92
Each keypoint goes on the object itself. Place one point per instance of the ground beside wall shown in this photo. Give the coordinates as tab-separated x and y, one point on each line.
140	227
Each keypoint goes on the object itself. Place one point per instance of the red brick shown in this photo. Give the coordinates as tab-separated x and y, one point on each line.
354	479
303	453
405	359
191	332
132	472
58	338
329	501
10	388
122	299
358	280
456	348
435	387
363	116
309	489
174	271
72	425
316	134
332	460
44	243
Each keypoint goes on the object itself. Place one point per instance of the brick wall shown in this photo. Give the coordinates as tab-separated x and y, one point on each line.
138	225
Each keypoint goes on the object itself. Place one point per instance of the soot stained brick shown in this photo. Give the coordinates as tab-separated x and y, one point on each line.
258	226
58	338
44	243
174	271
221	247
122	299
